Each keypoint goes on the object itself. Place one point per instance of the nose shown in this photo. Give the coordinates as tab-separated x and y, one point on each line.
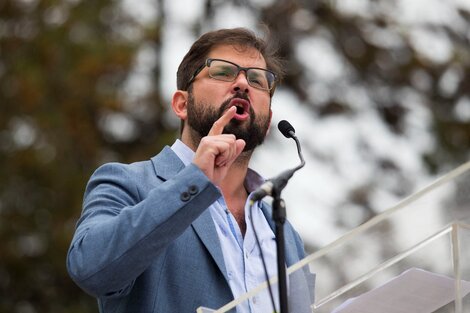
241	82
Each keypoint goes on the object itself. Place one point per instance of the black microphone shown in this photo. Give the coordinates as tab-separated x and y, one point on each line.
286	129
277	184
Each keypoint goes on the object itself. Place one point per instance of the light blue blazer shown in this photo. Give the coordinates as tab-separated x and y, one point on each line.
146	243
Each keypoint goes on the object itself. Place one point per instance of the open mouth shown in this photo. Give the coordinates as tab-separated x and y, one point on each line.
240	109
243	108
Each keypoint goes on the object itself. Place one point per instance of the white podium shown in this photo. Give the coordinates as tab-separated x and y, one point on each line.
418	250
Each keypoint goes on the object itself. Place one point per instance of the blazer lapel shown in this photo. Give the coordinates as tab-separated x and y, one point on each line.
166	165
205	229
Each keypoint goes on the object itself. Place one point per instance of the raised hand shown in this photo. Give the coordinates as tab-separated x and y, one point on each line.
217	152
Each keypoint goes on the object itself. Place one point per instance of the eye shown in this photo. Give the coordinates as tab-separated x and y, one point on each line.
256	82
223	72
257	79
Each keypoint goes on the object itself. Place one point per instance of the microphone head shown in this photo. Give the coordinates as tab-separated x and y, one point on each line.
286	129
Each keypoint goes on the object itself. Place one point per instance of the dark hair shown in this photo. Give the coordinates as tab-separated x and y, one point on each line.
201	48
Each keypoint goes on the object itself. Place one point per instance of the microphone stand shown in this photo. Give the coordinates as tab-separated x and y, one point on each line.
279	217
274	188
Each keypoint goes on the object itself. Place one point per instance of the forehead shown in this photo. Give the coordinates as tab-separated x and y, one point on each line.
241	55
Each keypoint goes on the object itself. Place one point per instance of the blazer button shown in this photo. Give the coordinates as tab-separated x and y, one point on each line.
185	196
193	190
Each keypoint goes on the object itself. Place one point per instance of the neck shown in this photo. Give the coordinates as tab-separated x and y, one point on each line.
234	182
235	194
190	140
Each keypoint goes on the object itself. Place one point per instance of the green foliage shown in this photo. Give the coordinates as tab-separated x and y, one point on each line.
62	65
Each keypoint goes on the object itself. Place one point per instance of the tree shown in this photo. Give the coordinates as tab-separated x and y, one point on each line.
63	68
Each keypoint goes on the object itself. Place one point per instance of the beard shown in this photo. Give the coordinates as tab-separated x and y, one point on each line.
201	117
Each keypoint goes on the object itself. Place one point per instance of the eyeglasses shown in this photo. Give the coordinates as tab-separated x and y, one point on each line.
227	71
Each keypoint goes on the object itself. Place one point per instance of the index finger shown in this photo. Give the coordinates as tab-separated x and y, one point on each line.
218	126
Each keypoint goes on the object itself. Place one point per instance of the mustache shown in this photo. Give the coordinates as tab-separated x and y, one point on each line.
241	95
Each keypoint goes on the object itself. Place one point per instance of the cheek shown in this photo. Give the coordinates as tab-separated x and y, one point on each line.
211	91
262	106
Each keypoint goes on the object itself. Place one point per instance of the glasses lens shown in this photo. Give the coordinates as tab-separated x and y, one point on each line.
223	71
258	78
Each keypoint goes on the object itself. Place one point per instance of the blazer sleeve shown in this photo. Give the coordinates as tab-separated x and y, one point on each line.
124	227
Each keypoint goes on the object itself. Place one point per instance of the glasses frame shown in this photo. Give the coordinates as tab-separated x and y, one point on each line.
208	62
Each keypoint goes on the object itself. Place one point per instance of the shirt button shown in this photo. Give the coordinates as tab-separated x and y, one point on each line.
254	300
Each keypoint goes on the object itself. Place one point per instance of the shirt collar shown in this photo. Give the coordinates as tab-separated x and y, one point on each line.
252	180
183	152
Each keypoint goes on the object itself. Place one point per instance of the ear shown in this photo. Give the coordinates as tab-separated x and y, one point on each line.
179	104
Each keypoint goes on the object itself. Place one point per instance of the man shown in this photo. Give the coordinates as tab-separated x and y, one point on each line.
171	234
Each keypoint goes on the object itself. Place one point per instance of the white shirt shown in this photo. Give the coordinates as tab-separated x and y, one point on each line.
241	254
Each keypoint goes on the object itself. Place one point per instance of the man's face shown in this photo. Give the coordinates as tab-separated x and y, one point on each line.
209	98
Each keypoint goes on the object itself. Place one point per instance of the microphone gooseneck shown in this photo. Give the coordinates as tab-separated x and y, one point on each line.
276	185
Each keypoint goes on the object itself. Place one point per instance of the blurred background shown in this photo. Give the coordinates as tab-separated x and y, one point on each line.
378	91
